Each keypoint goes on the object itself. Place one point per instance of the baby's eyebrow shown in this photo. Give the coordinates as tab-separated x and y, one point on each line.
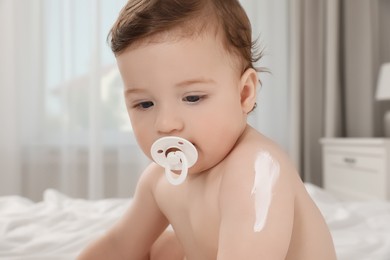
195	81
129	91
184	83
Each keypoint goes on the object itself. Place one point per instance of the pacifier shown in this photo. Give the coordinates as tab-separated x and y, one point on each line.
174	153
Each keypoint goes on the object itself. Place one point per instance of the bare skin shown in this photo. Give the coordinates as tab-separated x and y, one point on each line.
202	96
303	234
294	230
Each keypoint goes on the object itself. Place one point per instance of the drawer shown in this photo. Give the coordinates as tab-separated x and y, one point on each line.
366	162
360	175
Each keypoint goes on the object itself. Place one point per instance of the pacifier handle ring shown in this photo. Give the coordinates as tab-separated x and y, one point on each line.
184	169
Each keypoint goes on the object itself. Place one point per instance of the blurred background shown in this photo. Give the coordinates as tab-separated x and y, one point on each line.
63	122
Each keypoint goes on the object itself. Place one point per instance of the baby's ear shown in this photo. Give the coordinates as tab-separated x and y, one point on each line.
248	89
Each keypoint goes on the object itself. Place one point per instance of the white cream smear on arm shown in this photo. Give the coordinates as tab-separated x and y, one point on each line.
266	175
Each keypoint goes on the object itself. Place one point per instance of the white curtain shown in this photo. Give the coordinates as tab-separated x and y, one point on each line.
64	123
63	120
337	47
270	20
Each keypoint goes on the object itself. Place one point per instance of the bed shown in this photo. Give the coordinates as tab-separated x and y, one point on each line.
58	227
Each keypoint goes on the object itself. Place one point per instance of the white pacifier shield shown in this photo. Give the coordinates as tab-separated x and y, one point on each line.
174	153
165	145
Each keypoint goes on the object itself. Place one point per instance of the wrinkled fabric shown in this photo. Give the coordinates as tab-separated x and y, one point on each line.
59	227
360	230
56	228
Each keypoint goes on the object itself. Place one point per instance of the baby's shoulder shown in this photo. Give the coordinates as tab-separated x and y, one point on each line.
257	158
149	178
252	148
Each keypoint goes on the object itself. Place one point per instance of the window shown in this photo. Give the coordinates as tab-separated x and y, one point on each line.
82	88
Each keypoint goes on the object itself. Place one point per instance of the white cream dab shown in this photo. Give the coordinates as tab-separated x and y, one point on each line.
266	174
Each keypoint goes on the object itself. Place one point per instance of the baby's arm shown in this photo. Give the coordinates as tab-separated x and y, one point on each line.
134	234
257	210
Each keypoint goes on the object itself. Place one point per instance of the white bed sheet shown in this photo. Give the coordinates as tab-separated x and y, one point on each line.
360	230
58	227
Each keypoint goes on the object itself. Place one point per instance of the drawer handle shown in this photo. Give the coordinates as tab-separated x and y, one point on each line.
349	160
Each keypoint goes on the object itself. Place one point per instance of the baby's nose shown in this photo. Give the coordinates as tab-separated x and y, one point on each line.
169	121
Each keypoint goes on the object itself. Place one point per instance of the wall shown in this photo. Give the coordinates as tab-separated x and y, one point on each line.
270	21
9	172
383	57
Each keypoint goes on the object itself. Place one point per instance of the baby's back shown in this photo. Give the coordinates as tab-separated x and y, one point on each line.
310	238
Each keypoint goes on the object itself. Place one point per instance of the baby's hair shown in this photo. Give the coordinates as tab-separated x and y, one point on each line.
145	20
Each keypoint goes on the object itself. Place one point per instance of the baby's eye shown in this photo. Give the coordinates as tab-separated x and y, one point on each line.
145	105
192	99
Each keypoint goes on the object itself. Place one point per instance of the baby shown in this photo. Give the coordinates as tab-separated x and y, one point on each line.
227	191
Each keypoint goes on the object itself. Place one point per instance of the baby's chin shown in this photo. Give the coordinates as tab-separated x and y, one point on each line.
201	167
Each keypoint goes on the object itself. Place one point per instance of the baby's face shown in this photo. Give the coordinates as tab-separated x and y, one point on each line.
189	88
